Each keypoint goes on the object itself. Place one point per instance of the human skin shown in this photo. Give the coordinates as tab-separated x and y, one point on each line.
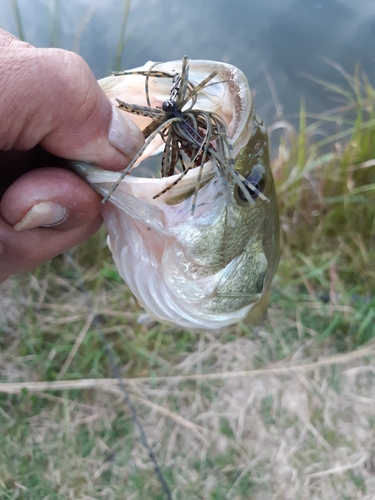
52	109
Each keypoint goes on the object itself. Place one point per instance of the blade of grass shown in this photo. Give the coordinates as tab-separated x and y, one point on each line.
302	138
18	18
121	40
55	24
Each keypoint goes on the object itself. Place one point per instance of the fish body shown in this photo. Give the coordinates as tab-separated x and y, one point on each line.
209	269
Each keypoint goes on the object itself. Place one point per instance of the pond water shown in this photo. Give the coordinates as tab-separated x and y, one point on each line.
278	44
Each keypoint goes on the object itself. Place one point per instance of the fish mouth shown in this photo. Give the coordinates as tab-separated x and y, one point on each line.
200	270
228	95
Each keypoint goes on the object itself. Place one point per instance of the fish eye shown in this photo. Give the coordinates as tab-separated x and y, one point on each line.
257	180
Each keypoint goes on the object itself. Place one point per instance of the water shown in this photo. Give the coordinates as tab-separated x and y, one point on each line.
277	44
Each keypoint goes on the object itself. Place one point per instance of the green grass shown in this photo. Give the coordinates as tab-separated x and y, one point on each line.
299	424
278	432
18	20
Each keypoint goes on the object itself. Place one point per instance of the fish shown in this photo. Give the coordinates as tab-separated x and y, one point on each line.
198	247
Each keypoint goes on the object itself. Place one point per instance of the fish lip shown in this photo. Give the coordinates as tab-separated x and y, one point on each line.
236	91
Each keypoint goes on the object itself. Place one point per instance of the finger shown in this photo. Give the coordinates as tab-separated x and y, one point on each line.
42	214
50	97
49	197
9	40
23	251
13	164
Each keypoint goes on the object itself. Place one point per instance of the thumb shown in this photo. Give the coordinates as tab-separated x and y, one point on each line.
50	97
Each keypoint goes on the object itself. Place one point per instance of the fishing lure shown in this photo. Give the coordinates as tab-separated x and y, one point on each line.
191	136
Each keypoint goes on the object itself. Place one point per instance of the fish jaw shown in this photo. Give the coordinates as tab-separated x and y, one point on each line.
228	95
155	273
172	261
156	279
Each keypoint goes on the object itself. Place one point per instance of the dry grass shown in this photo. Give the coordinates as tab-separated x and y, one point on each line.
232	415
283	413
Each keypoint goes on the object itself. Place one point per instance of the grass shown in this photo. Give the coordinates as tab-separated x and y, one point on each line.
18	20
286	412
121	40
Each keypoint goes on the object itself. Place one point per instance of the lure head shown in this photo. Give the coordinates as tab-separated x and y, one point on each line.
168	106
210	269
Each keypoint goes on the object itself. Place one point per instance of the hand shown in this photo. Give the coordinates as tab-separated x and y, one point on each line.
52	108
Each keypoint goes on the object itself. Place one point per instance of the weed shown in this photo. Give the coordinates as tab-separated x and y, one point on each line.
286	412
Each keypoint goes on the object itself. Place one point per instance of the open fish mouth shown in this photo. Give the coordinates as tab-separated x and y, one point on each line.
200	245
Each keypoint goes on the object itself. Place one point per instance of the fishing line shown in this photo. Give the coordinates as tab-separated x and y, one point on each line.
116	371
